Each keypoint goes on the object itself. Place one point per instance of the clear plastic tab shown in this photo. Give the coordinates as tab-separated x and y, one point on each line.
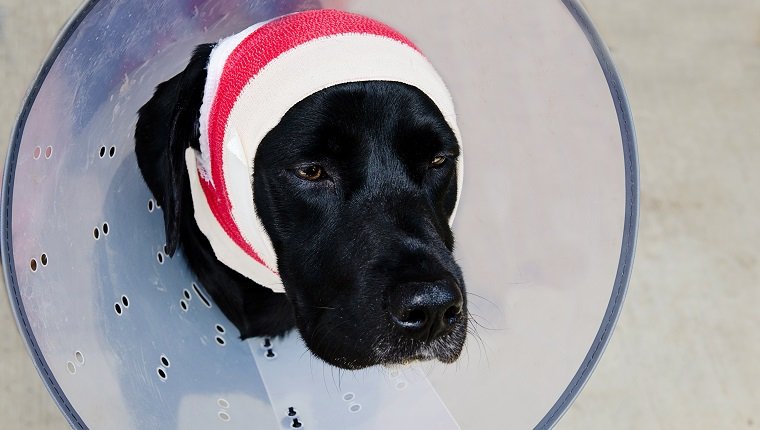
307	393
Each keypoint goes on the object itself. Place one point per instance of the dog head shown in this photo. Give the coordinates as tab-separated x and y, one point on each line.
355	187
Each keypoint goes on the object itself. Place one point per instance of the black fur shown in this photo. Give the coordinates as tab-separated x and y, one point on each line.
367	237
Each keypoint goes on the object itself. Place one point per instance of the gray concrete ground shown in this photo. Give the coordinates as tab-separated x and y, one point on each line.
686	354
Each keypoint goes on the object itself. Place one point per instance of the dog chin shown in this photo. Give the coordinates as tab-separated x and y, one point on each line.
445	350
390	361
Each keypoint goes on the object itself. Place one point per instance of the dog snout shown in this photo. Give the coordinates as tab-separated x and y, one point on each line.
425	310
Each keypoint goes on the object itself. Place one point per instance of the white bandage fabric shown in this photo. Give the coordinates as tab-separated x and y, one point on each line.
254	78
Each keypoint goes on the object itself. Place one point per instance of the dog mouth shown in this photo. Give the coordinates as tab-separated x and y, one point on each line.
443	353
389	349
445	349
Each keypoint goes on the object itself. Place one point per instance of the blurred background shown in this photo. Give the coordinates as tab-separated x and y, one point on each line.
686	352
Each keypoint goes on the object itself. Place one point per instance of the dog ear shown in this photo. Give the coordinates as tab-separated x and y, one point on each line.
167	125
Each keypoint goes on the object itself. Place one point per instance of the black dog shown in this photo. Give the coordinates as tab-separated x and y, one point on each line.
354	186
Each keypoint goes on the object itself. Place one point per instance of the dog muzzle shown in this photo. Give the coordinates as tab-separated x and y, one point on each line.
254	78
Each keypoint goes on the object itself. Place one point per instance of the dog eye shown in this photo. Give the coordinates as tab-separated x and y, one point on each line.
312	172
438	161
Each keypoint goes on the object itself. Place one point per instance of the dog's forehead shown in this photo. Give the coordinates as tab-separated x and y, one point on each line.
399	125
382	139
355	122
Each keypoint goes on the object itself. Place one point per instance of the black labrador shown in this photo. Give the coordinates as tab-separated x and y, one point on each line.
355	187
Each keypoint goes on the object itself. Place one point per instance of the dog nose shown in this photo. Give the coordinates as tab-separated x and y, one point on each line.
425	311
